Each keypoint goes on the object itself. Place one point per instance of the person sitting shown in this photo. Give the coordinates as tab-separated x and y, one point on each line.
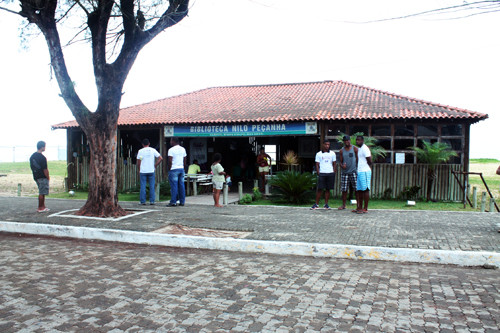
194	168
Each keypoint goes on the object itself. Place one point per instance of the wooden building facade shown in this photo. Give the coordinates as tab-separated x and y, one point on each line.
236	121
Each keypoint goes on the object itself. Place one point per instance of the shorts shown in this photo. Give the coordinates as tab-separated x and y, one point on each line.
264	169
326	181
218	185
43	186
364	180
346	180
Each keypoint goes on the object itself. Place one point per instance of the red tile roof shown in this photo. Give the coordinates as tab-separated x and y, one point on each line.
328	100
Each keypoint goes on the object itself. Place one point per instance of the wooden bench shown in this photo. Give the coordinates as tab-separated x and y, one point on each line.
202	180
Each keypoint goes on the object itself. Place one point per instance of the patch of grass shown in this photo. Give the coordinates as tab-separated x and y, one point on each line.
381	204
484	160
56	168
488	169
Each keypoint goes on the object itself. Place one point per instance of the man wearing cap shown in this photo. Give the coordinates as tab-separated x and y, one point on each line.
348	156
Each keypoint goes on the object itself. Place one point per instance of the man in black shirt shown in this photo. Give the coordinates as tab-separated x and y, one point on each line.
38	164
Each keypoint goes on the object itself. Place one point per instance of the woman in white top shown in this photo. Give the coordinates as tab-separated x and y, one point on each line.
218	178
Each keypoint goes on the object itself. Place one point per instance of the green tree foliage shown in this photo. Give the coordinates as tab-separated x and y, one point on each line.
293	186
433	154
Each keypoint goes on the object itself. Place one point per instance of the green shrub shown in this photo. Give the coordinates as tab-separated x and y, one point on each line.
256	194
165	188
387	195
293	187
247	198
410	193
82	187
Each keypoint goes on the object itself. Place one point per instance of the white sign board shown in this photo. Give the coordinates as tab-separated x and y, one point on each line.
400	158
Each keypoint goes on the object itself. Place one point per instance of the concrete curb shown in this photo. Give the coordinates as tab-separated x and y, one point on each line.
461	258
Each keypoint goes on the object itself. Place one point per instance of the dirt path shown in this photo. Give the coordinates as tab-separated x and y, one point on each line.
9	184
489	173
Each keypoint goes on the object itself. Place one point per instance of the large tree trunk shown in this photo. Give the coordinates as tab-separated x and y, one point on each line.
103	195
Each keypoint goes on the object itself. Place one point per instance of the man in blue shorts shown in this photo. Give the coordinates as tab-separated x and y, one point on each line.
364	176
325	168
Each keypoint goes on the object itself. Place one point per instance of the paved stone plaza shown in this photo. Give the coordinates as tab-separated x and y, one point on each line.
68	285
465	231
50	285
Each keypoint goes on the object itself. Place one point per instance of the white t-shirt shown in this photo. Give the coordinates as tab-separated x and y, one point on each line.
363	153
325	161
147	156
178	153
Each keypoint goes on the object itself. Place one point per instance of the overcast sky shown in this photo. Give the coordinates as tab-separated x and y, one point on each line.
244	42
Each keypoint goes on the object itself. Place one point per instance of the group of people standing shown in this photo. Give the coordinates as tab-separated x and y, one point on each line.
355	165
149	158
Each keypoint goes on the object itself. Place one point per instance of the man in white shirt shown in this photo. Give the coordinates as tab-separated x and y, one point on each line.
325	168
147	160
364	176
176	165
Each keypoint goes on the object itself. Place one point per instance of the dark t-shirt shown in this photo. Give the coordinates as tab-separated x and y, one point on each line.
38	163
349	158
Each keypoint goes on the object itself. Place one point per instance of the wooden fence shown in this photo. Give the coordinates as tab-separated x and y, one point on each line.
395	177
398	176
126	171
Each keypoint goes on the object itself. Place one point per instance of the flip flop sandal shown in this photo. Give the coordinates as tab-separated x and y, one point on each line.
43	210
341	208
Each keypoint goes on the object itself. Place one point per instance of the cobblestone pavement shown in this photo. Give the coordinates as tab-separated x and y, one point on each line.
465	231
49	284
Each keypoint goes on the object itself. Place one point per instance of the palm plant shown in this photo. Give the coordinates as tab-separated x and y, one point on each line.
290	160
371	142
293	186
433	154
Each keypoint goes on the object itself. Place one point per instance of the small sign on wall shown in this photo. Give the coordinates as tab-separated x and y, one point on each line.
400	158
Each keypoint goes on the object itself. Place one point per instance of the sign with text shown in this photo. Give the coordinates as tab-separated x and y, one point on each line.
251	129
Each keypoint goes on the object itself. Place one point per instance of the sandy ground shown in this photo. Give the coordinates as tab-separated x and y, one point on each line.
489	172
183	230
9	184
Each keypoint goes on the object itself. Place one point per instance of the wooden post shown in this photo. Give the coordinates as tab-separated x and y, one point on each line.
157	192
19	189
225	195
188	186
240	190
467	194
267	192
483	202
195	187
474	197
256	183
492	205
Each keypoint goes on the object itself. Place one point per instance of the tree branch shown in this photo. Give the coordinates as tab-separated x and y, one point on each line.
466	5
43	15
98	21
11	11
